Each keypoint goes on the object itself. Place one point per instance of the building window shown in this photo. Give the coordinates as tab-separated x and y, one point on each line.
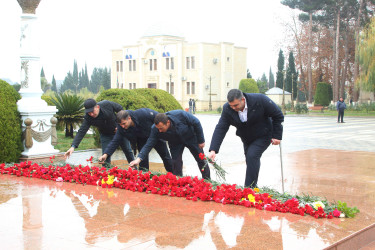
150	64
130	65
167	87
134	63
122	85
121	66
227	59
188	88
134	85
227	84
187	62
193	62
130	85
172	62
166	63
117	66
193	88
172	88
155	64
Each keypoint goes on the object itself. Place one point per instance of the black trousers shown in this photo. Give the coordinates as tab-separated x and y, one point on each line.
341	114
177	151
162	149
253	152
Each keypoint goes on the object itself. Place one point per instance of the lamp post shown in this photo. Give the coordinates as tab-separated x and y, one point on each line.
210	103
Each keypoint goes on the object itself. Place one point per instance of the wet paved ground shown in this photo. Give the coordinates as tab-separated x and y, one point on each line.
321	157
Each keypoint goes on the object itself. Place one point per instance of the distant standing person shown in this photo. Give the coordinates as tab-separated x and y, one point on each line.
193	106
190	106
340	106
180	129
136	127
103	116
258	121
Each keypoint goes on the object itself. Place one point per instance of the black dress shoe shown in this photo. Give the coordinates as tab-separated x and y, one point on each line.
342	122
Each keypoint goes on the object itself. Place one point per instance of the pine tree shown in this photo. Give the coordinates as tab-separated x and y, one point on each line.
271	81
248	74
54	87
75	76
42	73
280	69
291	76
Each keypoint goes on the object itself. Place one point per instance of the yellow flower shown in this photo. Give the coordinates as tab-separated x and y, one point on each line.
256	190
318	204
110	194
251	198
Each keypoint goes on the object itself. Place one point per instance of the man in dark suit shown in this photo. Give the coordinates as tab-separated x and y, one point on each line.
181	129
136	127
103	116
258	121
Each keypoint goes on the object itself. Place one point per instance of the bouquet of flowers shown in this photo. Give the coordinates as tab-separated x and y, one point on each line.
220	172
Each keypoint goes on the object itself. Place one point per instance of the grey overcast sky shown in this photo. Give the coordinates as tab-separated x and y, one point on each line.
87	30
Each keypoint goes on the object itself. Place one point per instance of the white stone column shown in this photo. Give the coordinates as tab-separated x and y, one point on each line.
31	105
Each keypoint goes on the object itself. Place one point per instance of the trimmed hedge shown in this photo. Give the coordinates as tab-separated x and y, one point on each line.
133	99
249	86
322	94
10	124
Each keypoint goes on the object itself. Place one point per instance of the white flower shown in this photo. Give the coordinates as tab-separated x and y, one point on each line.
342	215
318	204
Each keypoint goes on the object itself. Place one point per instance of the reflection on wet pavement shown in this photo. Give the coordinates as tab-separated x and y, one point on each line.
38	214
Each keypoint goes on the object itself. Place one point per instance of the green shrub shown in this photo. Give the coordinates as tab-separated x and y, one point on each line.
301	108
161	100
249	86
322	94
219	109
10	124
155	99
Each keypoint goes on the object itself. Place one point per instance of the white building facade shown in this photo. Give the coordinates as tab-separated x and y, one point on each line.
204	72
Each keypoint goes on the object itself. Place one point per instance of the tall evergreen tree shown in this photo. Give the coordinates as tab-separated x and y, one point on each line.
68	83
75	76
291	76
54	87
280	69
107	78
248	74
42	73
264	78
271	80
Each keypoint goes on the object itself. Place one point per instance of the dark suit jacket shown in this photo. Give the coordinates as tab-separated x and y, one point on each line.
264	119
106	123
143	120
188	130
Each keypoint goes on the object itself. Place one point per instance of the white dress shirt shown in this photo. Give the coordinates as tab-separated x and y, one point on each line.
243	114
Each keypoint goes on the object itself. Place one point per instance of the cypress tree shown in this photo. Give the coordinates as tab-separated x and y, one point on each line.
280	69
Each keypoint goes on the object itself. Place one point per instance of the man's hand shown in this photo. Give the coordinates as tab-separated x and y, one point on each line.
275	141
135	162
68	153
103	158
201	145
212	155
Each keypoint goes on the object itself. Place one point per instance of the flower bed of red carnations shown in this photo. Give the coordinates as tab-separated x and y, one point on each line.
166	184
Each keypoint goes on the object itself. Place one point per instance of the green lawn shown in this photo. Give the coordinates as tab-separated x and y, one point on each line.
64	143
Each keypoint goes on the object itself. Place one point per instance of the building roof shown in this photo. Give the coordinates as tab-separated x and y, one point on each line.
159	29
277	91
